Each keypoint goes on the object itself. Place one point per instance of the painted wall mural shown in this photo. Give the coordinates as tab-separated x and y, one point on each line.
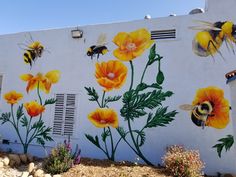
143	100
99	48
27	119
33	51
209	108
208	40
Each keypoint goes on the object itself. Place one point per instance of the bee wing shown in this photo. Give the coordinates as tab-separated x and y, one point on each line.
186	107
102	39
202	28
22	46
205	26
229	44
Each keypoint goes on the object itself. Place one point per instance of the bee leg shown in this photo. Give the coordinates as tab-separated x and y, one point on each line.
203	125
97	56
218	51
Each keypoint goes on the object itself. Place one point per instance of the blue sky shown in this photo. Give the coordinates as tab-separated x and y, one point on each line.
31	15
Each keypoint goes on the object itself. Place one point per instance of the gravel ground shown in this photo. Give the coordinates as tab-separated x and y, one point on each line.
106	168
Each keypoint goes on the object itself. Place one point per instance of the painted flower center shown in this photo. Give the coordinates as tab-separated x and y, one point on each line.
131	47
103	121
111	75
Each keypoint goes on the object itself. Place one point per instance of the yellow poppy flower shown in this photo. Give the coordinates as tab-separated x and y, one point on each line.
219	117
111	74
45	81
131	45
33	108
13	97
104	117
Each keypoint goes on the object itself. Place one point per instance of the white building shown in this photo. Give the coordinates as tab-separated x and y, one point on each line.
185	72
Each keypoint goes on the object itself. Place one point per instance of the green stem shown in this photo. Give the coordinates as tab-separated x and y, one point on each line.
144	73
98	103
16	128
103	96
123	137
27	131
107	153
139	153
132	74
40	99
159	65
34	134
139	135
112	146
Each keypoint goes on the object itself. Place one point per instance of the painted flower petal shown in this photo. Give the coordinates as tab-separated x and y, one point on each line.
111	74
43	81
104	117
26	77
33	108
121	39
123	55
53	76
219	117
13	97
131	45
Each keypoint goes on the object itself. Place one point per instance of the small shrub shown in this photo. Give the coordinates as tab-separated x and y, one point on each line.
180	162
61	159
58	161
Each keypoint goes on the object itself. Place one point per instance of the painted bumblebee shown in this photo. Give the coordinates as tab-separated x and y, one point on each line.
209	40
33	51
99	48
200	112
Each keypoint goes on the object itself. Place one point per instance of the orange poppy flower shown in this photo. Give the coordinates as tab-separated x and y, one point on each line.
219	117
104	117
131	45
13	97
45	81
111	74
33	108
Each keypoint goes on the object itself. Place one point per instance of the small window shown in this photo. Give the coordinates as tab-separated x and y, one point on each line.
64	114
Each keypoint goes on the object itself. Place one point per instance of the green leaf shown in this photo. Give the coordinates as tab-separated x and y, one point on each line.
160	78
104	135
141	140
152	54
226	143
37	124
92	93
143	86
121	132
95	140
19	112
50	101
112	99
40	141
135	103
5	117
155	85
161	118
24	121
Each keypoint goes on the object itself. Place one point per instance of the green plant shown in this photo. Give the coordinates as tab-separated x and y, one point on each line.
142	100
226	143
29	124
180	162
59	160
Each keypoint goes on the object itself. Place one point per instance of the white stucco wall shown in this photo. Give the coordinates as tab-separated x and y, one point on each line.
184	74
